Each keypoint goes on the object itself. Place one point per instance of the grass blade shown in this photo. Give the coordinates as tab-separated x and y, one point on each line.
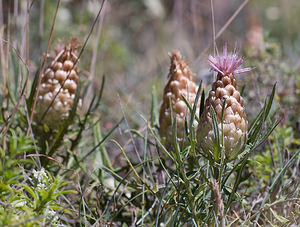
193	112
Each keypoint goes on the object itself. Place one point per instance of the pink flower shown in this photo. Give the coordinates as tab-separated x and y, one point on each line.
227	63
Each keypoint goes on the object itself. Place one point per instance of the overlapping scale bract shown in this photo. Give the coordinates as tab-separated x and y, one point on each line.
60	79
180	83
234	124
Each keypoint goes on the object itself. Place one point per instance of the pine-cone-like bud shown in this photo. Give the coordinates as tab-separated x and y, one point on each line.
180	82
234	119
60	79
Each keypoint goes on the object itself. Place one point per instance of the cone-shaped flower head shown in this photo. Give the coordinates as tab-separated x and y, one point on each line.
180	83
59	83
234	118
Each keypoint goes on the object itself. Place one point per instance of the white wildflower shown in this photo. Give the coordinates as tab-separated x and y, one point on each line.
41	177
51	215
19	203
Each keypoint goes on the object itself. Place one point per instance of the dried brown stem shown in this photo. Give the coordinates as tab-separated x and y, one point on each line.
42	6
95	48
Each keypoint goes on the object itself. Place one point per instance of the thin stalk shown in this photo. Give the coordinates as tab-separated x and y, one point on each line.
213	25
95	48
228	22
42	6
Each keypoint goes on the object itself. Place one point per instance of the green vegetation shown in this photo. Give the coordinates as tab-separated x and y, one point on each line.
106	165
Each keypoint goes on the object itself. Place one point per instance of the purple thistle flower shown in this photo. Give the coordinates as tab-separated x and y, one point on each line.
227	63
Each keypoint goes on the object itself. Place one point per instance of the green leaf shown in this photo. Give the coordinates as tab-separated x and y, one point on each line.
33	91
257	125
154	120
32	193
216	134
4	187
202	103
265	136
161	201
193	112
100	93
278	217
102	156
269	105
160	145
189	106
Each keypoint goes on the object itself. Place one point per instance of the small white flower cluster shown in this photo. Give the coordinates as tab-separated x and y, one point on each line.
51	215
19	203
41	177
